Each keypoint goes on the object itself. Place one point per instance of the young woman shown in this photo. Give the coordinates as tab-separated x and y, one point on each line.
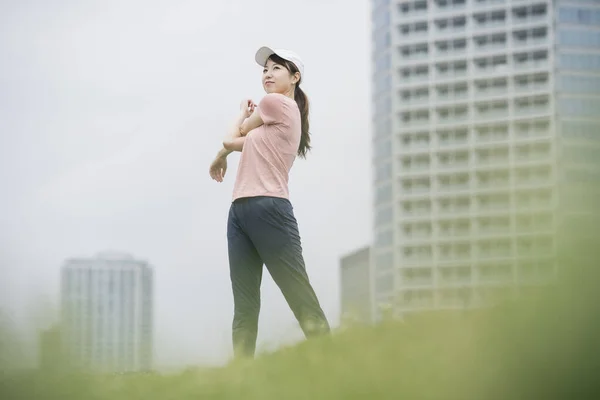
261	227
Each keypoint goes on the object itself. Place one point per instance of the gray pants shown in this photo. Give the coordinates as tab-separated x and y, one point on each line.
263	230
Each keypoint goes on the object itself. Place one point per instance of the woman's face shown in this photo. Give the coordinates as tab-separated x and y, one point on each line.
277	79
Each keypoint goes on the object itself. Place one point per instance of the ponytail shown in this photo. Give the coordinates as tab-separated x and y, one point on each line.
302	101
303	105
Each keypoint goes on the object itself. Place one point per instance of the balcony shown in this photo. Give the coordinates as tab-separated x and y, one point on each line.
534	200
414	123
413	11
489	3
412	80
453	187
492	136
418	142
453	233
450	75
414	101
527	131
414	57
449	255
454	209
417	258
530	42
501	69
493	183
531	65
409	35
417	282
450	31
453	97
490	92
527	225
498	204
495	273
481	25
449	6
491	115
529	87
489	47
525	155
415	169
416	235
415	187
531	110
459	52
494	157
530	20
416	214
498	252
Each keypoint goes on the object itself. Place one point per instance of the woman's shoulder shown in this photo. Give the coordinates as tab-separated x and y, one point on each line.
276	98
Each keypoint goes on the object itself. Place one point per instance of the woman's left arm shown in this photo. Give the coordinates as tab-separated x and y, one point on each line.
252	122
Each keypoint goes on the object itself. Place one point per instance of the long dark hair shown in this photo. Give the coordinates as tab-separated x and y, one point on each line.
303	105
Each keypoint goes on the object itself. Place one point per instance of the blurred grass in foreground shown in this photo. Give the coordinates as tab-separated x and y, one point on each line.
543	345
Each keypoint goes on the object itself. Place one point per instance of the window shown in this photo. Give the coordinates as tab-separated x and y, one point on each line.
580	107
580	62
581	129
382	127
381	17
579	38
382	62
383	104
382	149
384	284
384	216
579	16
378	3
383	83
385	238
579	84
384	261
582	176
383	171
383	194
382	40
581	154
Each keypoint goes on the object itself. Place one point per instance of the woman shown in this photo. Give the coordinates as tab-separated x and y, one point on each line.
261	227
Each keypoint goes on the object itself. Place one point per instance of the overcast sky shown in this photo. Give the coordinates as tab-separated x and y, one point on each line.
110	114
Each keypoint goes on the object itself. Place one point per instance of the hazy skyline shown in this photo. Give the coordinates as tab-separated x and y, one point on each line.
110	114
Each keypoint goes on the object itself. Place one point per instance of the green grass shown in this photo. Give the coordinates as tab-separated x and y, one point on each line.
545	346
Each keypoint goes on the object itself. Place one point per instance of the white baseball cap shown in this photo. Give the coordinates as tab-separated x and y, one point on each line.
263	54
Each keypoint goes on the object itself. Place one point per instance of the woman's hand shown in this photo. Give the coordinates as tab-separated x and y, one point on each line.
218	168
247	107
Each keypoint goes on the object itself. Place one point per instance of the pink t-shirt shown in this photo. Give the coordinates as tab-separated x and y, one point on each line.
269	150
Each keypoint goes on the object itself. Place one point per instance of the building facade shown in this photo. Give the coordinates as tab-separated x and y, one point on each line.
485	127
107	313
355	286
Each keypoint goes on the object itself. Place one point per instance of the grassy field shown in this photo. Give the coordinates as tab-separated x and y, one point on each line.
544	346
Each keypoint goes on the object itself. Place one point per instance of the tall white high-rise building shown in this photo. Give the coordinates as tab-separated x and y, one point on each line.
486	145
107	312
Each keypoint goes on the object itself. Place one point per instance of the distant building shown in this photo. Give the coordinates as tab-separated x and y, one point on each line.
486	150
355	286
107	312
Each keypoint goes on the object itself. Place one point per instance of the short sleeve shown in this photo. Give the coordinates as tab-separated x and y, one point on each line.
272	108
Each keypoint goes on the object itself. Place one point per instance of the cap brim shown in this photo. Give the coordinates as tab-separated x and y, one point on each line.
263	54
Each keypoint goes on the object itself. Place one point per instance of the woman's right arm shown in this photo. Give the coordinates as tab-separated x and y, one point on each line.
234	141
